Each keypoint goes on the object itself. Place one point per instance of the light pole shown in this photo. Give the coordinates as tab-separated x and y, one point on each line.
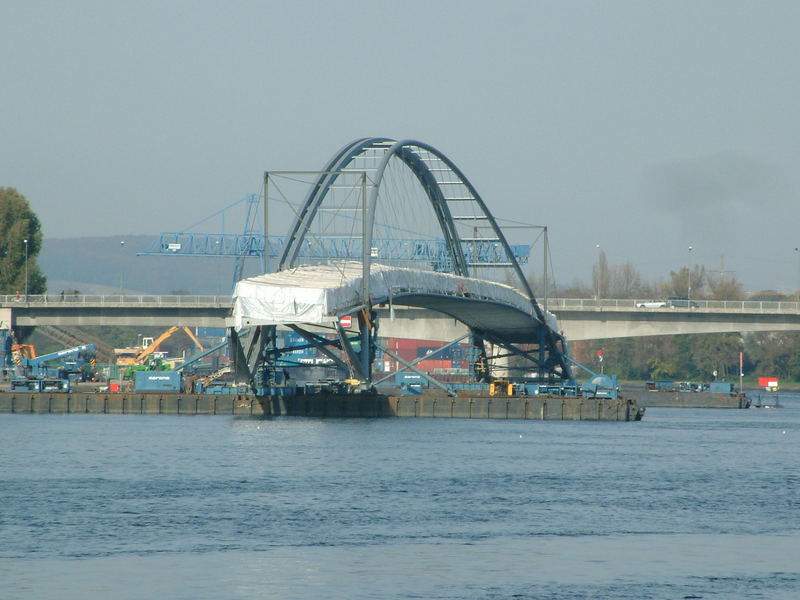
121	273
797	294
597	275
689	280
25	241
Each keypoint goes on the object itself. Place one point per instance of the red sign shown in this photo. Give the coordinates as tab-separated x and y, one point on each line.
768	382
600	354
346	321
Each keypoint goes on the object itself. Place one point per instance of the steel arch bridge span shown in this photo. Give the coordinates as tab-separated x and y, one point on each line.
447	189
322	294
460	217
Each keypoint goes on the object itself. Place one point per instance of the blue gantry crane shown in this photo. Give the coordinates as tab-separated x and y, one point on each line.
252	243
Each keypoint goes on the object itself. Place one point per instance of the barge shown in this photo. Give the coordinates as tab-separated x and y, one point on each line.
328	405
720	394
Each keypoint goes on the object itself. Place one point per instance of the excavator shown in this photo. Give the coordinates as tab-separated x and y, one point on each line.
139	356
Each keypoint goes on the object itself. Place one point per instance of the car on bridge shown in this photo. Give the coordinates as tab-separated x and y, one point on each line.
681	302
652	304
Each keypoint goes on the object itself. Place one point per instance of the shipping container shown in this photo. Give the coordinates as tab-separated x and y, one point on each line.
430	365
451	353
157	381
407	378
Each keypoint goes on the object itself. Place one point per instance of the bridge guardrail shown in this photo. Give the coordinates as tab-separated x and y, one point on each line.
12	300
744	306
553	304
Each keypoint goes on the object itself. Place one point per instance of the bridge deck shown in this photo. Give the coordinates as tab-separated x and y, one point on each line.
320	294
579	318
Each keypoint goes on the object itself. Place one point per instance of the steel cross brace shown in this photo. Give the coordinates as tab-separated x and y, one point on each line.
513	350
410	365
321	343
421	358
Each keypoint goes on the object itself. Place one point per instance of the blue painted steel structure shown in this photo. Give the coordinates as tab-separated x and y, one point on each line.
435	252
251	243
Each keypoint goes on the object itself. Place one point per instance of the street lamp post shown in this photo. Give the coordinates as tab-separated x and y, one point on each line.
689	279
597	276
797	294
121	272
25	241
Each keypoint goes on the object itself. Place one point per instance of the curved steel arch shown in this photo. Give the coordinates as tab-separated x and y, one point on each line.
551	339
434	193
403	150
409	151
317	194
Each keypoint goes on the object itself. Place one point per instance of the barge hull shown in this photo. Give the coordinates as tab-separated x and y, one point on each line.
328	406
649	399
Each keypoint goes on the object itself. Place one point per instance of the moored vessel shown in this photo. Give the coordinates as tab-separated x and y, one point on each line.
717	394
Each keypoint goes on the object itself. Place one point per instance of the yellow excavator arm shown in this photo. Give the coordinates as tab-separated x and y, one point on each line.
156	342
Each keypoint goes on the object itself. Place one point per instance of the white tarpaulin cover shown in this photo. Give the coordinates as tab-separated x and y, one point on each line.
318	294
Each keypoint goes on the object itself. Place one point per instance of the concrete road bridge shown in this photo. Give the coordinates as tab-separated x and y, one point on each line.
578	318
588	319
75	310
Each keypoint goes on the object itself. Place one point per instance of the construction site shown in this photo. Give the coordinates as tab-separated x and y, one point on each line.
316	331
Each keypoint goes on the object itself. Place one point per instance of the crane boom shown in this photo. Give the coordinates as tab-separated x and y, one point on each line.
38	360
132	357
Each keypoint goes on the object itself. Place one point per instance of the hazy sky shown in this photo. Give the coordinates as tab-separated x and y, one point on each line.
642	127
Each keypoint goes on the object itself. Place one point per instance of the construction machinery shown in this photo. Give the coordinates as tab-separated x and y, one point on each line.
205	384
151	363
139	356
54	371
65	337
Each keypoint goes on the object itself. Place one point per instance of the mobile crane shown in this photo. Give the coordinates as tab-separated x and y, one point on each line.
44	374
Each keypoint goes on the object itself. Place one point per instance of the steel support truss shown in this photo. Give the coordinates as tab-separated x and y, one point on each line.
353	353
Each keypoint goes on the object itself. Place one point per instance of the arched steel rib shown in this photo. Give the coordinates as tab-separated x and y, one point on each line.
317	194
404	150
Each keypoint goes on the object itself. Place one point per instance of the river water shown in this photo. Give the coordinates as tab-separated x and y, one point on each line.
685	504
